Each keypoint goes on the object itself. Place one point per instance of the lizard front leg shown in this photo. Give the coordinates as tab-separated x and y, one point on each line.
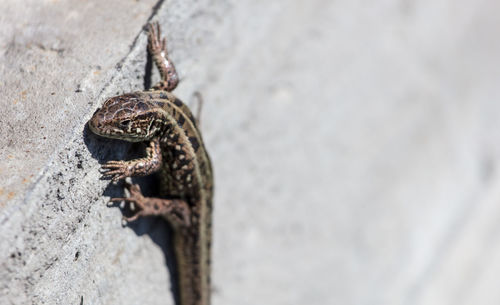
176	211
158	48
117	170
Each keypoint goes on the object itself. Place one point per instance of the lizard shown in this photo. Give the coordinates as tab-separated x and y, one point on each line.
177	153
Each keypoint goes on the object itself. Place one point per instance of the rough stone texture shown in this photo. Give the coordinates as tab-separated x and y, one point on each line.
355	148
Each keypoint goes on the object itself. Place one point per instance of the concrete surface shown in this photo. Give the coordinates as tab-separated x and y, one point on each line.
355	148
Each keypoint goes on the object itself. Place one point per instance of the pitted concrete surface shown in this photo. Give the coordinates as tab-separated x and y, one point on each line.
355	149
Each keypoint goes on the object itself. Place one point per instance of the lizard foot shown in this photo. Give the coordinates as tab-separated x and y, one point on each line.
135	197
156	43
176	211
116	170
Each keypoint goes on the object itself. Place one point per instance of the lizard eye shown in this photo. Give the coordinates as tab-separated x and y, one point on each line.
125	123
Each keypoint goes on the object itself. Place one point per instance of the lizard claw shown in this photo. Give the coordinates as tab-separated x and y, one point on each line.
135	194
156	43
132	218
116	170
135	197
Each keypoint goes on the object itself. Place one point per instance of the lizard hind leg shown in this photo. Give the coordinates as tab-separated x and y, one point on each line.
158	48
176	211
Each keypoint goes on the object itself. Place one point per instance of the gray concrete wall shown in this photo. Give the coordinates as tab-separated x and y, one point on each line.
355	148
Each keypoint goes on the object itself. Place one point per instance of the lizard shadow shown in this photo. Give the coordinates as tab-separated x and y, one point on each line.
156	228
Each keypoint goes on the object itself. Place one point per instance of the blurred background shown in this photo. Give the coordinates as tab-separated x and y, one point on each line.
355	146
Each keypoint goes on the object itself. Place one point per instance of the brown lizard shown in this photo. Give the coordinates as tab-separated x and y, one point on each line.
176	151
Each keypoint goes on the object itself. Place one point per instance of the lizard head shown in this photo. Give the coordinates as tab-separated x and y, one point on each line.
126	117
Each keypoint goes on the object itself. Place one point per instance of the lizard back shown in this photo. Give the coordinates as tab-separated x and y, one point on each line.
187	173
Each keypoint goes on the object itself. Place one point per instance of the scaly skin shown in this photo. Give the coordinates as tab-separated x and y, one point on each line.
176	151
